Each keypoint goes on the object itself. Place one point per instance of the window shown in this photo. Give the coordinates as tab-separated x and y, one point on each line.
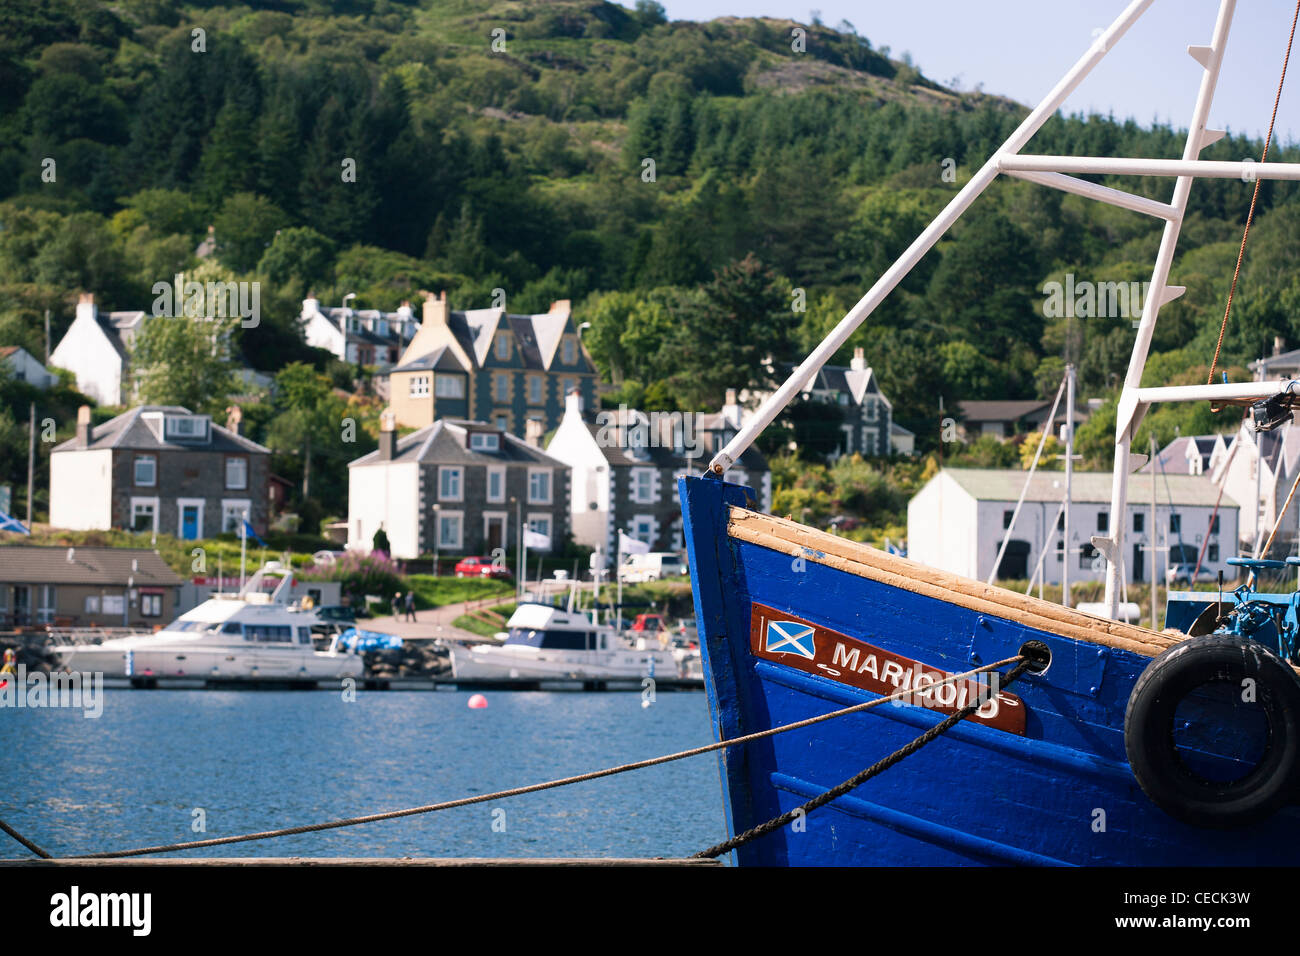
151	605
146	471
419	386
501	421
450	386
268	633
643	485
449	529
503	346
501	387
1060	521
541	524
869	407
45	613
539	487
237	473
496	484
1175	524
1006	519
1212	553
449	484
1139	522
1103	522
570	352
144	514
534	390
92	603
1060	552
485	441
186	426
1214	525
233	512
567	385
304	635
1086	554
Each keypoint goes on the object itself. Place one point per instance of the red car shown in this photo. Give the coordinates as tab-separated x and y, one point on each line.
480	567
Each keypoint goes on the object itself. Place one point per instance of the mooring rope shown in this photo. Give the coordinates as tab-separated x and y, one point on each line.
531	788
24	841
839	790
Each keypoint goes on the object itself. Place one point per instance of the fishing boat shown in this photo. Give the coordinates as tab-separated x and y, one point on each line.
256	635
1114	745
546	642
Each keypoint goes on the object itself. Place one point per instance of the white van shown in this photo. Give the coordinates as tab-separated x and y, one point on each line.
652	566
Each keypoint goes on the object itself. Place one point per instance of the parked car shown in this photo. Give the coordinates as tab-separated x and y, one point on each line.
480	567
652	566
1182	574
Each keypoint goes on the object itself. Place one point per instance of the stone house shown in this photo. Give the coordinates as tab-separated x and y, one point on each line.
455	487
161	470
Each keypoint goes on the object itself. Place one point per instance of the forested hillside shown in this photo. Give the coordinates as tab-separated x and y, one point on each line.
702	192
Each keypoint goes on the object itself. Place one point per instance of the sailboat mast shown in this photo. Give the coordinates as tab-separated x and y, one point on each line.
1130	410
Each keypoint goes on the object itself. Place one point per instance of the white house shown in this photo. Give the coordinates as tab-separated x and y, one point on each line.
24	367
1277	456
362	337
96	348
956	522
625	465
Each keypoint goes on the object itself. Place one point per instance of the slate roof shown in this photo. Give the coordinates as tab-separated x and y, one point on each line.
446	442
37	564
440	359
131	430
662	455
998	484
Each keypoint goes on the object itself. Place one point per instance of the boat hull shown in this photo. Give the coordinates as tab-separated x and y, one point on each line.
205	663
487	662
1055	789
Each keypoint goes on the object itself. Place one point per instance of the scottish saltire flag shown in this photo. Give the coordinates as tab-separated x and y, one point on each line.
8	523
791	637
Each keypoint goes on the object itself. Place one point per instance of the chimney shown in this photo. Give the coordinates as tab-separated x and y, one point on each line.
387	435
731	410
435	309
859	360
84	431
533	432
561	307
1279	345
86	306
235	419
310	304
573	404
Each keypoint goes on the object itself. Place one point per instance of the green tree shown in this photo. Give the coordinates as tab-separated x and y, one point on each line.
185	361
246	227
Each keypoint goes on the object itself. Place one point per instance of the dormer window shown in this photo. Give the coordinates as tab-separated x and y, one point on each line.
570	352
503	347
185	428
484	441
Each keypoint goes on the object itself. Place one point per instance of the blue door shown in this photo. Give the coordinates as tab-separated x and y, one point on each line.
189	522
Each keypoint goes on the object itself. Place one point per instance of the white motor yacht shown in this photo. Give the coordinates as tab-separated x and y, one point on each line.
255	635
550	642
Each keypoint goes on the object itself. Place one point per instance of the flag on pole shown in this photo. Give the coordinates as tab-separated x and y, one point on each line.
250	533
536	540
628	545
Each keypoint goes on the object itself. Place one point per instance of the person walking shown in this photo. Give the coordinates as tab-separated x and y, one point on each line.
410	605
397	604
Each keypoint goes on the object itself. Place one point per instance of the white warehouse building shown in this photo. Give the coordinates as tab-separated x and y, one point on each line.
956	522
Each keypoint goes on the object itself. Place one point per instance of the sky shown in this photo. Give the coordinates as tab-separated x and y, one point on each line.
1020	48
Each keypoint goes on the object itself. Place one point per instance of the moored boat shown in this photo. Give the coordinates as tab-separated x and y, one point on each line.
1115	745
255	635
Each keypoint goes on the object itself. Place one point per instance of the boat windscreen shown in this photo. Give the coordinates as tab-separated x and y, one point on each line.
557	640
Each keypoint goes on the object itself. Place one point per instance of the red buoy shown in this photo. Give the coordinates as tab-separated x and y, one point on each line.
477	702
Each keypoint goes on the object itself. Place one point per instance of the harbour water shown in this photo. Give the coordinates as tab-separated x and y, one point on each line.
156	764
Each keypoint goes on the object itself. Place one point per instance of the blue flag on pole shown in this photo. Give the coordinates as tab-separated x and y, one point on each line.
250	533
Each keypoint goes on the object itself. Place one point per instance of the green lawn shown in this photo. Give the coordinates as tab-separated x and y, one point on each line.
482	628
436	592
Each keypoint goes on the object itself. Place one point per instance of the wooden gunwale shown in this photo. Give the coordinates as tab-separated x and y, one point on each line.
853	557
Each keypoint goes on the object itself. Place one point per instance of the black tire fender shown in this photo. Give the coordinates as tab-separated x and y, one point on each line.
1149	738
